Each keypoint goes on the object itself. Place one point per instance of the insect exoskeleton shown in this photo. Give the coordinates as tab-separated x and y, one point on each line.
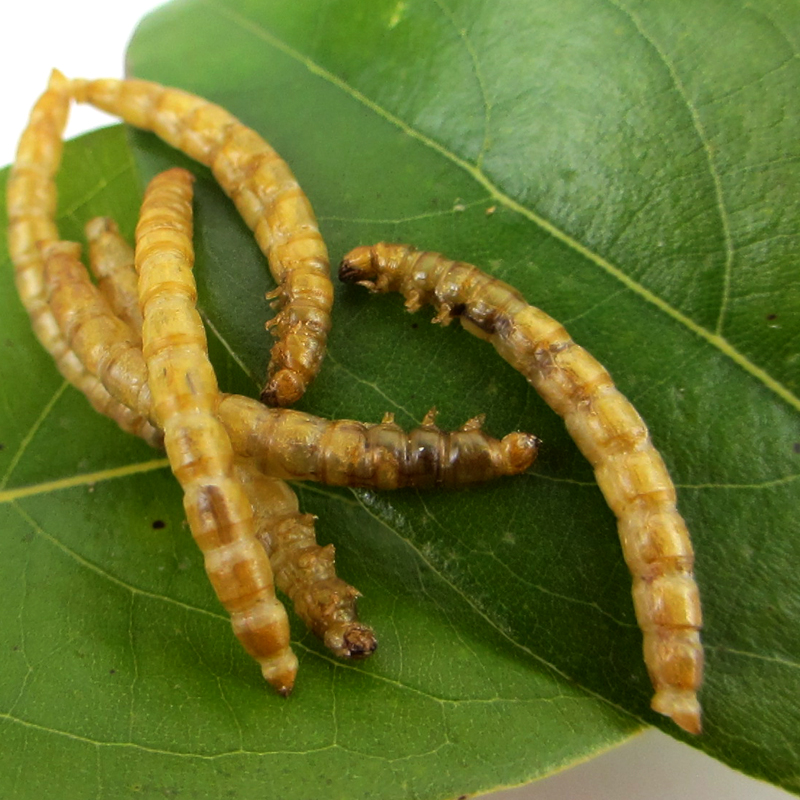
270	201
286	443
298	446
111	263
304	570
185	395
606	428
31	205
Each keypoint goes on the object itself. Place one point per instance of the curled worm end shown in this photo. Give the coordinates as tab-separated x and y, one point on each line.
280	672
284	388
519	451
681	706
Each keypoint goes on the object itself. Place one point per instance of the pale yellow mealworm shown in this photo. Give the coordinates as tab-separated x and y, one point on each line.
31	204
111	263
607	429
304	571
270	201
185	395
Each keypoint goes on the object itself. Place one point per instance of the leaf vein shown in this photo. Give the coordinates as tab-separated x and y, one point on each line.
703	138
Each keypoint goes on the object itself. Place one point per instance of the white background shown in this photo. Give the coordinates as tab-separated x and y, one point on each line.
86	38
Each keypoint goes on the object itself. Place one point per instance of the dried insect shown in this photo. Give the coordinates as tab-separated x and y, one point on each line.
270	201
111	263
303	570
286	444
31	204
300	446
110	348
606	428
184	390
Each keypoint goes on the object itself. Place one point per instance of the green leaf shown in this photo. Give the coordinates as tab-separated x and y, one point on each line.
641	159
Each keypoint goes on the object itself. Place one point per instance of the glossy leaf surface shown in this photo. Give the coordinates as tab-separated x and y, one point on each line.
631	177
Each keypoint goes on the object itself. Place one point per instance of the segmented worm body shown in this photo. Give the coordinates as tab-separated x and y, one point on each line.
348	453
285	443
606	428
112	349
270	201
31	205
303	570
184	390
112	264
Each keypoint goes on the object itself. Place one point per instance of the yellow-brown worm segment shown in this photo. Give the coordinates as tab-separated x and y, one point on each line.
111	262
607	429
31	204
286	444
185	395
269	200
304	570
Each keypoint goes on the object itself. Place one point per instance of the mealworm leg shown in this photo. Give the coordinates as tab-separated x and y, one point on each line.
606	428
303	570
270	201
185	394
31	204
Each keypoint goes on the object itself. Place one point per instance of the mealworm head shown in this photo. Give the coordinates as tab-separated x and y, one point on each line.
519	451
358	266
355	641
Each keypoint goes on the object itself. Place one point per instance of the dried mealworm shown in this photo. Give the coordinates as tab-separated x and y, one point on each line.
270	201
287	444
111	349
111	263
184	390
105	345
303	570
606	428
296	446
31	204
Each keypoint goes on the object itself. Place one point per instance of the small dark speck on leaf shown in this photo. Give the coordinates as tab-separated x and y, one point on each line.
112	672
414	325
463	797
796	447
15	648
2	446
158	524
772	316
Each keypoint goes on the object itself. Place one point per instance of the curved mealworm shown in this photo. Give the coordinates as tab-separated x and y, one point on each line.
111	263
298	446
303	570
184	390
286	444
31	205
606	428
270	201
105	345
112	350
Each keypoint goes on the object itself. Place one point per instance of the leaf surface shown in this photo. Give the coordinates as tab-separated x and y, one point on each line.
640	163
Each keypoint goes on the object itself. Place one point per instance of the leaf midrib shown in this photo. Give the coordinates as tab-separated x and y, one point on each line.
716	340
